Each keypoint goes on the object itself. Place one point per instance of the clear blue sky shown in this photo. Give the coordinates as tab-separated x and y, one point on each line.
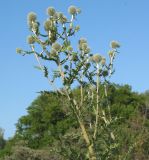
101	21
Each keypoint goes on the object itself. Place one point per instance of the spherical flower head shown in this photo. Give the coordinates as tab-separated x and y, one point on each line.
35	26
18	50
84	46
103	61
63	20
51	11
72	10
55	16
82	40
30	40
111	53
77	28
96	58
114	44
31	17
47	25
56	46
60	14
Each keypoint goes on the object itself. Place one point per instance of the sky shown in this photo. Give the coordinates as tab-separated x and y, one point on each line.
101	21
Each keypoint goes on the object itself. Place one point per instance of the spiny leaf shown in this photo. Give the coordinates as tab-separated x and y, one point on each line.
46	71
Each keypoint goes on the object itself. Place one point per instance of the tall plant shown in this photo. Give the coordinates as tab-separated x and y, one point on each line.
76	66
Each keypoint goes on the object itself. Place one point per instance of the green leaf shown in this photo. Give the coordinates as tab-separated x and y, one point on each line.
46	71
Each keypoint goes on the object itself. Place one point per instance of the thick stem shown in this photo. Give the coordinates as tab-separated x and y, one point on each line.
97	103
109	109
85	135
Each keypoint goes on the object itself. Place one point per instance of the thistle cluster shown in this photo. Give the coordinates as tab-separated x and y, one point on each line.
83	46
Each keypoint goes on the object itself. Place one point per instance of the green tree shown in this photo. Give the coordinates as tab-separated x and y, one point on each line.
2	140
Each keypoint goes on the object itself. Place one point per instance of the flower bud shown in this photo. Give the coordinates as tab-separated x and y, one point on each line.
103	61
72	10
56	46
35	26
30	40
114	44
51	11
96	58
48	25
82	40
61	17
84	46
111	53
63	20
71	26
31	17
18	50
77	28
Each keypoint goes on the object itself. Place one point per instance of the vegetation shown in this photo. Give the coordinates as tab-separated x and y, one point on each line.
96	120
49	131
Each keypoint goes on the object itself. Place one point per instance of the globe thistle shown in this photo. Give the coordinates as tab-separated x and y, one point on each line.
48	25
114	44
31	17
71	26
56	46
55	16
111	53
96	58
30	40
69	48
103	61
63	20
18	50
77	28
84	46
72	10
35	26
59	15
82	40
51	11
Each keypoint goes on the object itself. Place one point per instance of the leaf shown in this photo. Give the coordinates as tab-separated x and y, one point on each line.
46	71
